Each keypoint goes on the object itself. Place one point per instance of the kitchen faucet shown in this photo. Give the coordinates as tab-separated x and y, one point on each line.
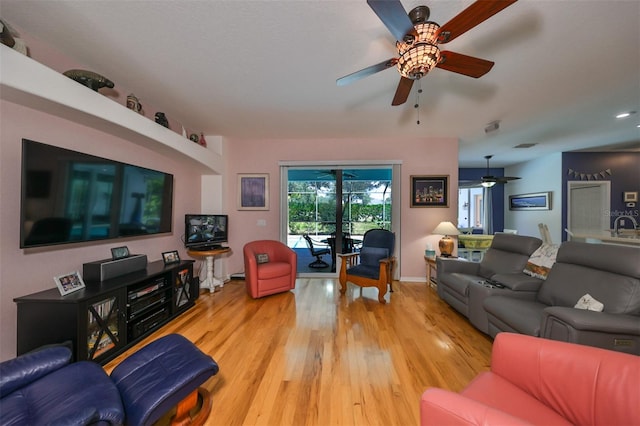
616	223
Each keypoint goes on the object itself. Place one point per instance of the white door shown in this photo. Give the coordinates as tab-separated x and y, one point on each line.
588	207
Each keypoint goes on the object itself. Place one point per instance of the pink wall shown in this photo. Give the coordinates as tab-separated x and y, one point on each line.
419	156
26	271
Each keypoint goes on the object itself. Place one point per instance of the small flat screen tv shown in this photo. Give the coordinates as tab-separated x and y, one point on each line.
205	230
70	197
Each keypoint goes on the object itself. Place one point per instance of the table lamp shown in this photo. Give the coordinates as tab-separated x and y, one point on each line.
446	243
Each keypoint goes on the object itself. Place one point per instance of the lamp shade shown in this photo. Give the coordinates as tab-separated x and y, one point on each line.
446	228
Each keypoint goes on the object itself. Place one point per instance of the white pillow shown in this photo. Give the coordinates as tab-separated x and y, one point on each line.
589	303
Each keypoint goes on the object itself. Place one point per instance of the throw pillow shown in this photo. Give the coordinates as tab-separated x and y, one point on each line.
541	261
372	255
589	303
262	258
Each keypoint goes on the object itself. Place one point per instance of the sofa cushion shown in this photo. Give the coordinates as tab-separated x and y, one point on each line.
494	391
568	282
372	255
508	254
267	271
523	316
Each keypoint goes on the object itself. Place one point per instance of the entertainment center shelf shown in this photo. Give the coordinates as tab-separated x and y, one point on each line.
27	82
105	318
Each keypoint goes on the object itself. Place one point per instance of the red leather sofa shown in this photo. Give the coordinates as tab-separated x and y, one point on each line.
545	382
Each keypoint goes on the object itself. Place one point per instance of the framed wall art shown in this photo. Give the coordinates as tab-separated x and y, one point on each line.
68	283
253	192
430	191
534	201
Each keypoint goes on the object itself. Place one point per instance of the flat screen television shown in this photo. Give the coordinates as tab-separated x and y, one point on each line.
69	197
205	230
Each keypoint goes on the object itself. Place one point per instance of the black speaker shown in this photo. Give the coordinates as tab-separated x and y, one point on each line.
105	269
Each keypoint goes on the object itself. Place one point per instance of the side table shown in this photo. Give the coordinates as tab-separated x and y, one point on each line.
210	282
431	267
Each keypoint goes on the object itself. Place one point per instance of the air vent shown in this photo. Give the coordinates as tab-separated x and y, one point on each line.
525	145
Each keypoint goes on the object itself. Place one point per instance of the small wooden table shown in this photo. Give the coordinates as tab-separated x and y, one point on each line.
431	267
210	282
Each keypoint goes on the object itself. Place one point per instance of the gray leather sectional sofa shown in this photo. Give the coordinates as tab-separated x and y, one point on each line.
607	274
610	274
464	286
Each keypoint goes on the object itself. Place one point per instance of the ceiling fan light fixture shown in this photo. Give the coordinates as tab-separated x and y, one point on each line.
416	62
421	55
488	184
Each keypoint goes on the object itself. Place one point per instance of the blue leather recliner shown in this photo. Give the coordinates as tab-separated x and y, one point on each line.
45	387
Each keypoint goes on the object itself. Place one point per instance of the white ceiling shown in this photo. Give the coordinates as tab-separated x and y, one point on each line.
267	69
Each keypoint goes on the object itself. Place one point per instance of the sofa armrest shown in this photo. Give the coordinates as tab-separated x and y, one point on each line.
19	372
442	407
518	282
450	266
584	320
583	384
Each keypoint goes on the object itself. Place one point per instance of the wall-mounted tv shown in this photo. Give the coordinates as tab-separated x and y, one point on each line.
203	231
70	197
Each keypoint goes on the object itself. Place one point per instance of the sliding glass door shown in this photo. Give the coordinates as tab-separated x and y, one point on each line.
313	210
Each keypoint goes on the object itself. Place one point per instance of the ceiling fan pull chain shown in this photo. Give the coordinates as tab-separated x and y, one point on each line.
417	104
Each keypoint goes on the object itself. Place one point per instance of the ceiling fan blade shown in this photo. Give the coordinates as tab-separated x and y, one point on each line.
355	76
463	64
505	179
473	15
393	16
402	92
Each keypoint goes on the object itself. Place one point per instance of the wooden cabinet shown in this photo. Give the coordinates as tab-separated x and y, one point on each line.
106	317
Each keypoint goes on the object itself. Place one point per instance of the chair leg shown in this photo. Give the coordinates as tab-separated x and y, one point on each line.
184	408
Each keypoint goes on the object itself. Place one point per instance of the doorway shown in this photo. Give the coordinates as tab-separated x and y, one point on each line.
587	206
312	210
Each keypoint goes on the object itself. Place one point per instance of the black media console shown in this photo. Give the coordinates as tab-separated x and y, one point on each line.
107	317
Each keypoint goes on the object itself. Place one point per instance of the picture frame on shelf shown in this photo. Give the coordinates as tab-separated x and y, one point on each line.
170	257
630	196
253	191
69	282
532	201
119	252
430	191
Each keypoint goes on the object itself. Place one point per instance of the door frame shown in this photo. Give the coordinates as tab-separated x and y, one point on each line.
396	178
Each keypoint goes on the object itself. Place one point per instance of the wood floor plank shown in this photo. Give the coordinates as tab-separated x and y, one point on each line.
314	357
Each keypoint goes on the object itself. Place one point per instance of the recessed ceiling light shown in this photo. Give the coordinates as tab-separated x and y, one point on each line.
625	114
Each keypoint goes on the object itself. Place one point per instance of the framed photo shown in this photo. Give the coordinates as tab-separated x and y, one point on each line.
170	257
68	283
630	197
119	252
430	191
253	192
535	201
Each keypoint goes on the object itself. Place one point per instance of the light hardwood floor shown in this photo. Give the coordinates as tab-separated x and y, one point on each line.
314	357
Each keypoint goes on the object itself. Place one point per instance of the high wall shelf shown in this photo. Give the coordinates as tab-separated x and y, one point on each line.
27	82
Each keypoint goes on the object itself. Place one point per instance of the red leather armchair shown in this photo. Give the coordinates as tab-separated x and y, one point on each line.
545	382
270	274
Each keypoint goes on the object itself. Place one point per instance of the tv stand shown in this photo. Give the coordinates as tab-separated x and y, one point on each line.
107	317
210	281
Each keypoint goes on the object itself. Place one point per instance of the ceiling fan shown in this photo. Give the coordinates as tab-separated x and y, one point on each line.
418	40
488	180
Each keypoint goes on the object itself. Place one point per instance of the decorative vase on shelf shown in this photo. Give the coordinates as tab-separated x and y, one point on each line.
194	138
161	119
203	141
